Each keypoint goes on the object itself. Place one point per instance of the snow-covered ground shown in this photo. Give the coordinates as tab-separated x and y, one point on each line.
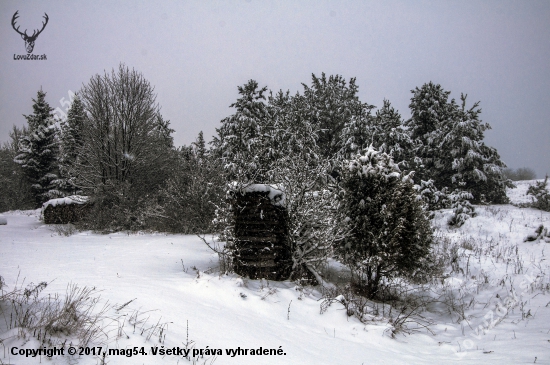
519	194
493	301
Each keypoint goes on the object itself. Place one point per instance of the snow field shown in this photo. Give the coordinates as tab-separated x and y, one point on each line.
492	304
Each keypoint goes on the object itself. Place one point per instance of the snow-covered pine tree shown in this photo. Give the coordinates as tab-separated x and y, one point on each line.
390	136
451	151
465	162
430	115
541	195
38	151
390	231
241	139
331	105
71	138
493	190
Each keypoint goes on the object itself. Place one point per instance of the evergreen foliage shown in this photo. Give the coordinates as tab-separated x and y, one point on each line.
16	190
390	136
390	231
541	195
72	139
433	198
466	162
38	151
462	208
332	105
451	151
302	171
241	139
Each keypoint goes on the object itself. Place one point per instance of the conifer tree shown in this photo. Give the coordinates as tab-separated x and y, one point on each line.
332	104
38	151
430	115
450	149
241	139
390	136
390	231
466	163
71	138
200	147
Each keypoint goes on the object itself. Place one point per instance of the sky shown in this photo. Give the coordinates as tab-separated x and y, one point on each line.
196	54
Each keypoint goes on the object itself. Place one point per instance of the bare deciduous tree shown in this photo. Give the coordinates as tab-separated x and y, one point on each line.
123	143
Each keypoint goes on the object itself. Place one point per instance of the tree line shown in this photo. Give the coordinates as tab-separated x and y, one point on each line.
359	182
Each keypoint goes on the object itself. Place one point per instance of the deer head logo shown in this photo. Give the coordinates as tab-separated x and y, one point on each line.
29	40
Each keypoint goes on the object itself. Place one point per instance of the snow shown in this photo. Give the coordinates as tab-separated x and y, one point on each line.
519	194
3	220
175	280
276	192
73	199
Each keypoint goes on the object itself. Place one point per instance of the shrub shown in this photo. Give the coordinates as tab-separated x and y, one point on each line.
462	208
541	195
433	198
390	231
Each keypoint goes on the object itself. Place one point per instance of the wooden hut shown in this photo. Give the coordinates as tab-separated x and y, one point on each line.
65	210
261	249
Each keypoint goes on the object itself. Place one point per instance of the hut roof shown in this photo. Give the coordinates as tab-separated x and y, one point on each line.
275	192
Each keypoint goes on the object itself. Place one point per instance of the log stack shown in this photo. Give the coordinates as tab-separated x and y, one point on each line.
261	250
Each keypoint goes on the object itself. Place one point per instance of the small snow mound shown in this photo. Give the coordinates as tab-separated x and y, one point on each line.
3	220
73	199
454	282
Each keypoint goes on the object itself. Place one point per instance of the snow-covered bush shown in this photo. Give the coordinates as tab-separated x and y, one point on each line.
541	195
433	198
462	208
390	231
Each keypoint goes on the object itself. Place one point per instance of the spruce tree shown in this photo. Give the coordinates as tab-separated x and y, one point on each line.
38	151
241	139
200	147
71	138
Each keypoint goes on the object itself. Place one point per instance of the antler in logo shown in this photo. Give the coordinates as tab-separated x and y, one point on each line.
29	40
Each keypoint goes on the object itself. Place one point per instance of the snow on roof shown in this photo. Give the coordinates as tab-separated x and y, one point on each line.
73	199
276	192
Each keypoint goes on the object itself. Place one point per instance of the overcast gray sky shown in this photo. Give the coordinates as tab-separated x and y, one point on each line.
196	53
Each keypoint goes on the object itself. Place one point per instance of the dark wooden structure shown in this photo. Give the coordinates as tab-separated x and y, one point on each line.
261	250
65	210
